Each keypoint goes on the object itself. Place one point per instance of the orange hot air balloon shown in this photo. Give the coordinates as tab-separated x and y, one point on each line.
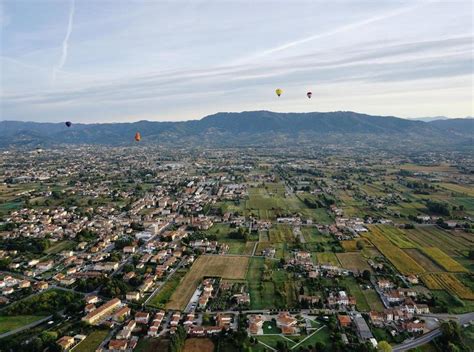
138	137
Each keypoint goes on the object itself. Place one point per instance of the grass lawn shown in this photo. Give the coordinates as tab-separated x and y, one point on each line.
272	340
321	335
9	323
92	341
269	327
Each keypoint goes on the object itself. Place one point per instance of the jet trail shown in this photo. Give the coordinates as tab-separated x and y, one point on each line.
65	44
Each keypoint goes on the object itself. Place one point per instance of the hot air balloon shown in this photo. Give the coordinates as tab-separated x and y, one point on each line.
68	123
278	91
309	94
138	137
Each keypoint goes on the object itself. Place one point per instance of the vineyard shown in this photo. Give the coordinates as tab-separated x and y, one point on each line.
402	261
448	282
443	259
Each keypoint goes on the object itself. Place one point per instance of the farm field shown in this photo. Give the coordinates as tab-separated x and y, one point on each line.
355	290
226	267
269	286
281	234
423	260
402	261
92	341
9	323
443	260
281	249
429	168
463	189
198	345
395	235
431	236
270	201
353	261
152	345
327	258
373	299
349	245
448	282
163	296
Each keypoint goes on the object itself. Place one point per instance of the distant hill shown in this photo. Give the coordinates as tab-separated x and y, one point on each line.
462	127
251	128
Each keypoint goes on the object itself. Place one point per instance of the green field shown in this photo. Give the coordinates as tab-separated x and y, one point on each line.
236	246
60	246
163	296
354	289
269	286
9	323
327	258
270	201
92	341
281	234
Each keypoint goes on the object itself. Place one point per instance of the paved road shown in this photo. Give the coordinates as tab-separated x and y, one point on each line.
461	319
26	327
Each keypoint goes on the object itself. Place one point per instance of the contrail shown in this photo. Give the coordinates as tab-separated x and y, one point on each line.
341	29
62	61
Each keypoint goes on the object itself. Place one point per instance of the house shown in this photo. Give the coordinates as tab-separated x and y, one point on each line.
91	299
124	334
121	314
132	296
107	308
223	320
412	279
414	327
344	320
286	323
65	342
255	323
24	284
142	317
42	285
118	345
385	284
175	318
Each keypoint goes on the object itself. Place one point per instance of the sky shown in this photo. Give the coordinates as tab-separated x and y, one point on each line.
128	60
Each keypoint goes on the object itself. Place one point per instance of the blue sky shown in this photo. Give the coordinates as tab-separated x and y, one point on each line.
117	60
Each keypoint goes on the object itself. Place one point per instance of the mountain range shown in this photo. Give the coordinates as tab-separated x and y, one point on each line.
252	128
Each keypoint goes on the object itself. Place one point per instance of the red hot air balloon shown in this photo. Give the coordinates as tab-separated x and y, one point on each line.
309	94
138	137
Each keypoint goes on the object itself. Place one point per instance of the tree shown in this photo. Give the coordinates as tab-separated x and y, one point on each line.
366	275
360	244
384	346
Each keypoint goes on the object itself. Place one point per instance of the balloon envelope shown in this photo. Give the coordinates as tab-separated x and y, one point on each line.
309	94
138	137
278	91
68	123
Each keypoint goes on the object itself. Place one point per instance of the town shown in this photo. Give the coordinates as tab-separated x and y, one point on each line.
151	249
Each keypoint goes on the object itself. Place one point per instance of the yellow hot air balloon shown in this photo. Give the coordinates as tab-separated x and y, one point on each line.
278	91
